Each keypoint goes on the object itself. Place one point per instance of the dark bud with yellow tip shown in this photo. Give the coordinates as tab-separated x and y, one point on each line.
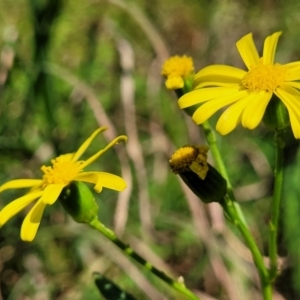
79	202
190	163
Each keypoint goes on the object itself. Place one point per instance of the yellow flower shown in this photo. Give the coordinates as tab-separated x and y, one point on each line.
176	69
247	92
64	170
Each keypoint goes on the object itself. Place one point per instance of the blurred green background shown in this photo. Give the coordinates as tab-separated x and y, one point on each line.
68	67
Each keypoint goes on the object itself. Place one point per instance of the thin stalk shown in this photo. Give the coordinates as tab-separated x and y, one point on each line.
277	194
212	142
178	286
213	146
228	207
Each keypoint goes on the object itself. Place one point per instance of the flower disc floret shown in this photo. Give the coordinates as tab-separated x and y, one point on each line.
62	171
178	66
265	77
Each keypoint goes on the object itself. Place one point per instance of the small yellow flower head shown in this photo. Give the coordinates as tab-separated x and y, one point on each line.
190	158
65	172
176	69
190	163
248	95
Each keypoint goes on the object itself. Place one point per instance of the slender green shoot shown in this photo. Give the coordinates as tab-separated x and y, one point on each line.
275	208
176	285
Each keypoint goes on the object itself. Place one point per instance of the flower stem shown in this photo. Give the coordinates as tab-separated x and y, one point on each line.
278	173
212	142
179	286
228	207
234	211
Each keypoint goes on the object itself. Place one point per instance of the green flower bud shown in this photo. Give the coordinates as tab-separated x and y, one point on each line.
190	163
276	116
79	202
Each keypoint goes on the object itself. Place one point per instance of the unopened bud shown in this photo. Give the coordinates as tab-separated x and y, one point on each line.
79	202
190	163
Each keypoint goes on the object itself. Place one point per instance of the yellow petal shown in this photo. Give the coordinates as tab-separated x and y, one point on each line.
90	177
202	95
216	84
221	74
248	51
121	138
293	64
87	142
254	111
290	97
51	193
270	47
32	221
294	84
17	205
111	181
293	71
20	184
206	110
103	179
231	117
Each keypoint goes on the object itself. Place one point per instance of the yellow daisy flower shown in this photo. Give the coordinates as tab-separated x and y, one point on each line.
247	92
176	69
64	170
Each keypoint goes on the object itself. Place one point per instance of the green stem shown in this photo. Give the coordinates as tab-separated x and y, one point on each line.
256	254
233	209
213	146
212	142
278	173
179	286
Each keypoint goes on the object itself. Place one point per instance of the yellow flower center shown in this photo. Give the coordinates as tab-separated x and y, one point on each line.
190	158
177	66
264	77
63	170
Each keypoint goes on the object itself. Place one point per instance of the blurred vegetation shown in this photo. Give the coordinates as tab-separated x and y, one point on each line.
67	67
